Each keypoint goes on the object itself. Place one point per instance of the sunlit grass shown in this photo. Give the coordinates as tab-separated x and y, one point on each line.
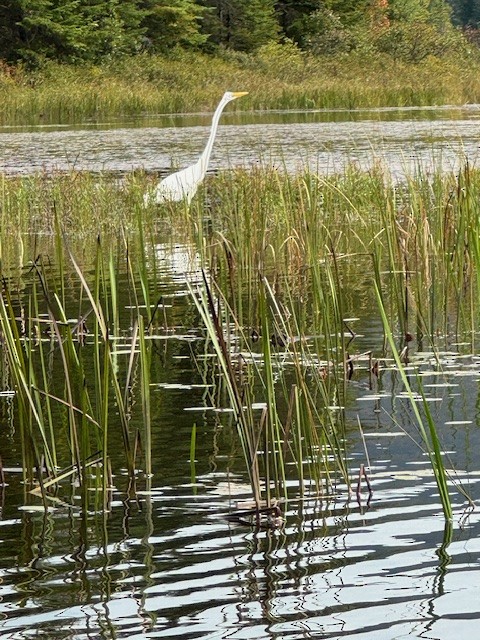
277	77
288	259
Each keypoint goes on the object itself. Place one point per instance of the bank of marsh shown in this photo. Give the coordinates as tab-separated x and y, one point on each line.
277	76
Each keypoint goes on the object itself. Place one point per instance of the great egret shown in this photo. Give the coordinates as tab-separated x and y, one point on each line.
183	184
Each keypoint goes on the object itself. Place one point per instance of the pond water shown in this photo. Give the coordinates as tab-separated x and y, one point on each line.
168	563
402	139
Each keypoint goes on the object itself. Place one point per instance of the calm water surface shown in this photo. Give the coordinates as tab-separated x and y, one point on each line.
324	141
168	564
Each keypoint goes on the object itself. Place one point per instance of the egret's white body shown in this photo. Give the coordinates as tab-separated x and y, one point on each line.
183	184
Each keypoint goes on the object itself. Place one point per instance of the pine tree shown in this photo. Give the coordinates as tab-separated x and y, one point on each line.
256	25
69	30
50	29
169	23
10	35
244	25
114	27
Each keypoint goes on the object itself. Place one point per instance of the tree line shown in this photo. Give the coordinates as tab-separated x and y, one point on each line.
76	31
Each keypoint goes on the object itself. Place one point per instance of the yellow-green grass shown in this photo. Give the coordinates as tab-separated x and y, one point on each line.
277	77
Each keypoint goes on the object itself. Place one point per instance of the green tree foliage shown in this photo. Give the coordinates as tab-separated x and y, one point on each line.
69	30
97	30
323	32
48	28
466	12
114	27
10	40
243	25
171	23
408	10
337	26
291	15
418	29
350	12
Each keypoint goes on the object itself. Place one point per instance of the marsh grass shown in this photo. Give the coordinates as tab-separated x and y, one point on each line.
297	238
73	380
277	77
289	262
425	423
307	233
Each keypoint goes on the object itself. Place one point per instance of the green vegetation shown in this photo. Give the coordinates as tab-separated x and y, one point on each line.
82	30
68	62
281	257
278	76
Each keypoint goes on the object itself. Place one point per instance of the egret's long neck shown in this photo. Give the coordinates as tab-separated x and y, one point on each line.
205	157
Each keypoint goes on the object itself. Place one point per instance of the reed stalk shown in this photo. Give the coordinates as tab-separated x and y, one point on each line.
428	431
285	257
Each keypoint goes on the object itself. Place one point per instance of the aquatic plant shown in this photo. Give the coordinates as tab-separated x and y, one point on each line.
425	424
300	435
50	357
292	264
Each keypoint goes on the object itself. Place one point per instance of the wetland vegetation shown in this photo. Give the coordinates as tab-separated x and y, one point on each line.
76	62
269	356
277	77
274	297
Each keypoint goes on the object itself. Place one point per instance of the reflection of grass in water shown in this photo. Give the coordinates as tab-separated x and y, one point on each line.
304	233
281	254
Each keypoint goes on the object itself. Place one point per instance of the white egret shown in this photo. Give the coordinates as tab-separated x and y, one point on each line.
183	184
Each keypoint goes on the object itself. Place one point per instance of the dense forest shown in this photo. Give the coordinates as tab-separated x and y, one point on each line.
76	31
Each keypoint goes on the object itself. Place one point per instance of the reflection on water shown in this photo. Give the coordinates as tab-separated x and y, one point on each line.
167	563
324	141
171	566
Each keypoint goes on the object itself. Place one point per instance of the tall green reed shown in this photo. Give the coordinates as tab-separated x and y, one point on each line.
426	424
297	237
290	258
63	408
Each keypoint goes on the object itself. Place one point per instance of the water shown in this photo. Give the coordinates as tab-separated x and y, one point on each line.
324	141
167	563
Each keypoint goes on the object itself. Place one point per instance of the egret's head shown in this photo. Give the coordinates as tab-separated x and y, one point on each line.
231	95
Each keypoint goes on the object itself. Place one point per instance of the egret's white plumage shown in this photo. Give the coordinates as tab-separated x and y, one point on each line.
183	184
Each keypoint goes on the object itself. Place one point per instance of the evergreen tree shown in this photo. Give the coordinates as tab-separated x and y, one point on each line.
48	29
113	27
244	25
170	23
69	30
292	13
256	25
466	12
10	38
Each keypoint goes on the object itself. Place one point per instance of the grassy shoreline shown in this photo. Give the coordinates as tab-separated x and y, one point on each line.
277	77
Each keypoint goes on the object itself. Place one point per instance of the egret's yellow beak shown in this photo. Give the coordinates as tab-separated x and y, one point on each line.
239	94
